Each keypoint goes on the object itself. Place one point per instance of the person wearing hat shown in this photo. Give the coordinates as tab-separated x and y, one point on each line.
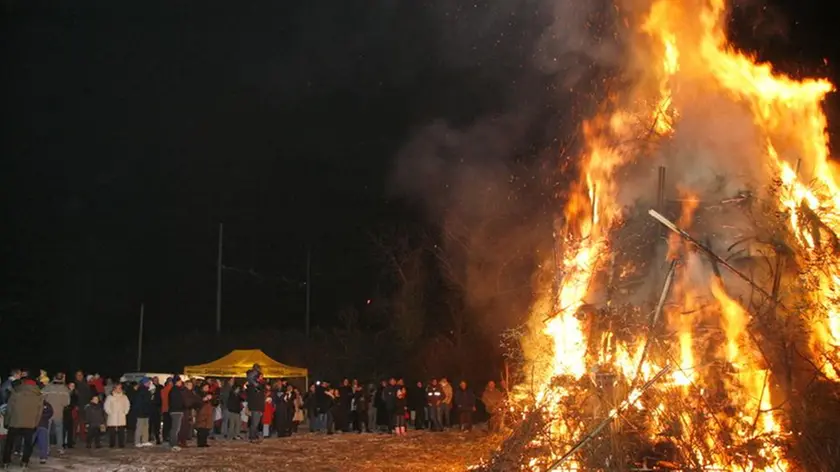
142	406
23	413
176	412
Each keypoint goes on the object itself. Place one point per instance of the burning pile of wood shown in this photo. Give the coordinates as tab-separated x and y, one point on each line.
683	377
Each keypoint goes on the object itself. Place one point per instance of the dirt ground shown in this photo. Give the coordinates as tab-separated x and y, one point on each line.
420	450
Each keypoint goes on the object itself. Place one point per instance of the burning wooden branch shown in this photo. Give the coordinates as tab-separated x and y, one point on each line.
631	399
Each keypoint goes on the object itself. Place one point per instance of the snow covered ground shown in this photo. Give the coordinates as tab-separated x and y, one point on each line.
450	451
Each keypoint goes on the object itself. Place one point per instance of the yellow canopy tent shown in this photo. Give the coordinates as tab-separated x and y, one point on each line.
239	361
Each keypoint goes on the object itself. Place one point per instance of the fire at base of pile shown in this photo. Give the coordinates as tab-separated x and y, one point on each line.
688	378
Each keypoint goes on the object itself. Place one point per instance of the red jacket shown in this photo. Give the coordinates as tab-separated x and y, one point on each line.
268	414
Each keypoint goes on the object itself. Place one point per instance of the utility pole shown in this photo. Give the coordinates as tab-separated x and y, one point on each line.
140	338
308	285
219	283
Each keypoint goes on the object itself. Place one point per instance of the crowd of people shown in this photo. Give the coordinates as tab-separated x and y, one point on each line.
38	412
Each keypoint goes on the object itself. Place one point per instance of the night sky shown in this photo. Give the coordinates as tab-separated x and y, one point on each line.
131	129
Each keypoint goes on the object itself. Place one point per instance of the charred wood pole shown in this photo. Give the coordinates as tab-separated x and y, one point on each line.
660	207
653	320
660	191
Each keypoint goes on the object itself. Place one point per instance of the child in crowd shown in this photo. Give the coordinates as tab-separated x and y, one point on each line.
400	412
94	422
268	414
42	434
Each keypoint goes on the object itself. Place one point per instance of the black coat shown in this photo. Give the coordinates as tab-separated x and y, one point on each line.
176	400
389	397
361	400
256	398
417	398
234	402
94	415
464	400
156	398
142	403
83	393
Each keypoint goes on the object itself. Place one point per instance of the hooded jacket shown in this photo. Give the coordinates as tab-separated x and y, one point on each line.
26	405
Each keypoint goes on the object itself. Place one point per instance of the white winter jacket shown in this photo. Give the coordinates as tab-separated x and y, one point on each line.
116	408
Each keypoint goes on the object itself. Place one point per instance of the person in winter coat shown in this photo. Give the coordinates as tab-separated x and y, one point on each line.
268	415
334	401
95	421
370	397
155	395
359	407
379	404
42	433
224	393
204	420
117	407
400	411
164	407
434	398
58	396
310	405
298	415
446	405
494	403
465	403
417	405
389	397
141	405
233	410
70	417
283	409
256	404
175	404
84	395
23	414
192	401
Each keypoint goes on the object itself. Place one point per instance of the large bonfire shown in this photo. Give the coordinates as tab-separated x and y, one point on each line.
695	318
